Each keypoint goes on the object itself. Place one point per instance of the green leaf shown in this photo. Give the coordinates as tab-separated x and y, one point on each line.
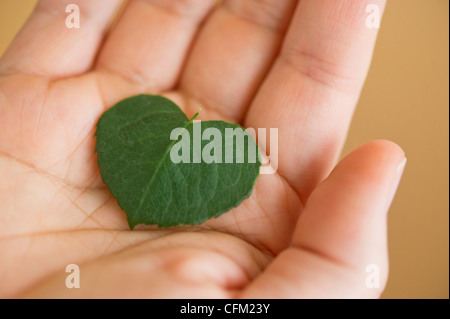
138	163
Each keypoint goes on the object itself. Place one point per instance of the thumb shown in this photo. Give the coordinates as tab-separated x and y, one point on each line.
341	233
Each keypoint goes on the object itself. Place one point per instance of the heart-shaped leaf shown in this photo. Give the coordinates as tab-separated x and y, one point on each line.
168	170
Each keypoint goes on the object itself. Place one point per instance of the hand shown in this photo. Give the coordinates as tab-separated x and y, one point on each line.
298	66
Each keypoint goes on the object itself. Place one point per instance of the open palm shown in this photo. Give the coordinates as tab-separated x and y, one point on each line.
293	65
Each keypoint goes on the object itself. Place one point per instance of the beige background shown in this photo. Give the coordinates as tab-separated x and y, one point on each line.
406	99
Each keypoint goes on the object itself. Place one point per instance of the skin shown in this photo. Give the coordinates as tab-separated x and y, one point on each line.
308	231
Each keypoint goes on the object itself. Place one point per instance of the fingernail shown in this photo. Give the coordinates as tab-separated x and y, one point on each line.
397	179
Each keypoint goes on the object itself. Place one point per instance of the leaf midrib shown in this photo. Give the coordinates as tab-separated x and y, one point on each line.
160	165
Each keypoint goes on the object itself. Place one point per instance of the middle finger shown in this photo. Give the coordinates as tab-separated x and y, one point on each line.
234	52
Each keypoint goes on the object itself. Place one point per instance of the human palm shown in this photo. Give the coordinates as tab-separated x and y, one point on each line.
300	234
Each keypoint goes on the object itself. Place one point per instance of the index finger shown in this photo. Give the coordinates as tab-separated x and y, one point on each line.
313	88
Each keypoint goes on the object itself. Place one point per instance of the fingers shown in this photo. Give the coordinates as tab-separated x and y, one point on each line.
341	231
234	52
344	219
149	44
46	46
311	91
